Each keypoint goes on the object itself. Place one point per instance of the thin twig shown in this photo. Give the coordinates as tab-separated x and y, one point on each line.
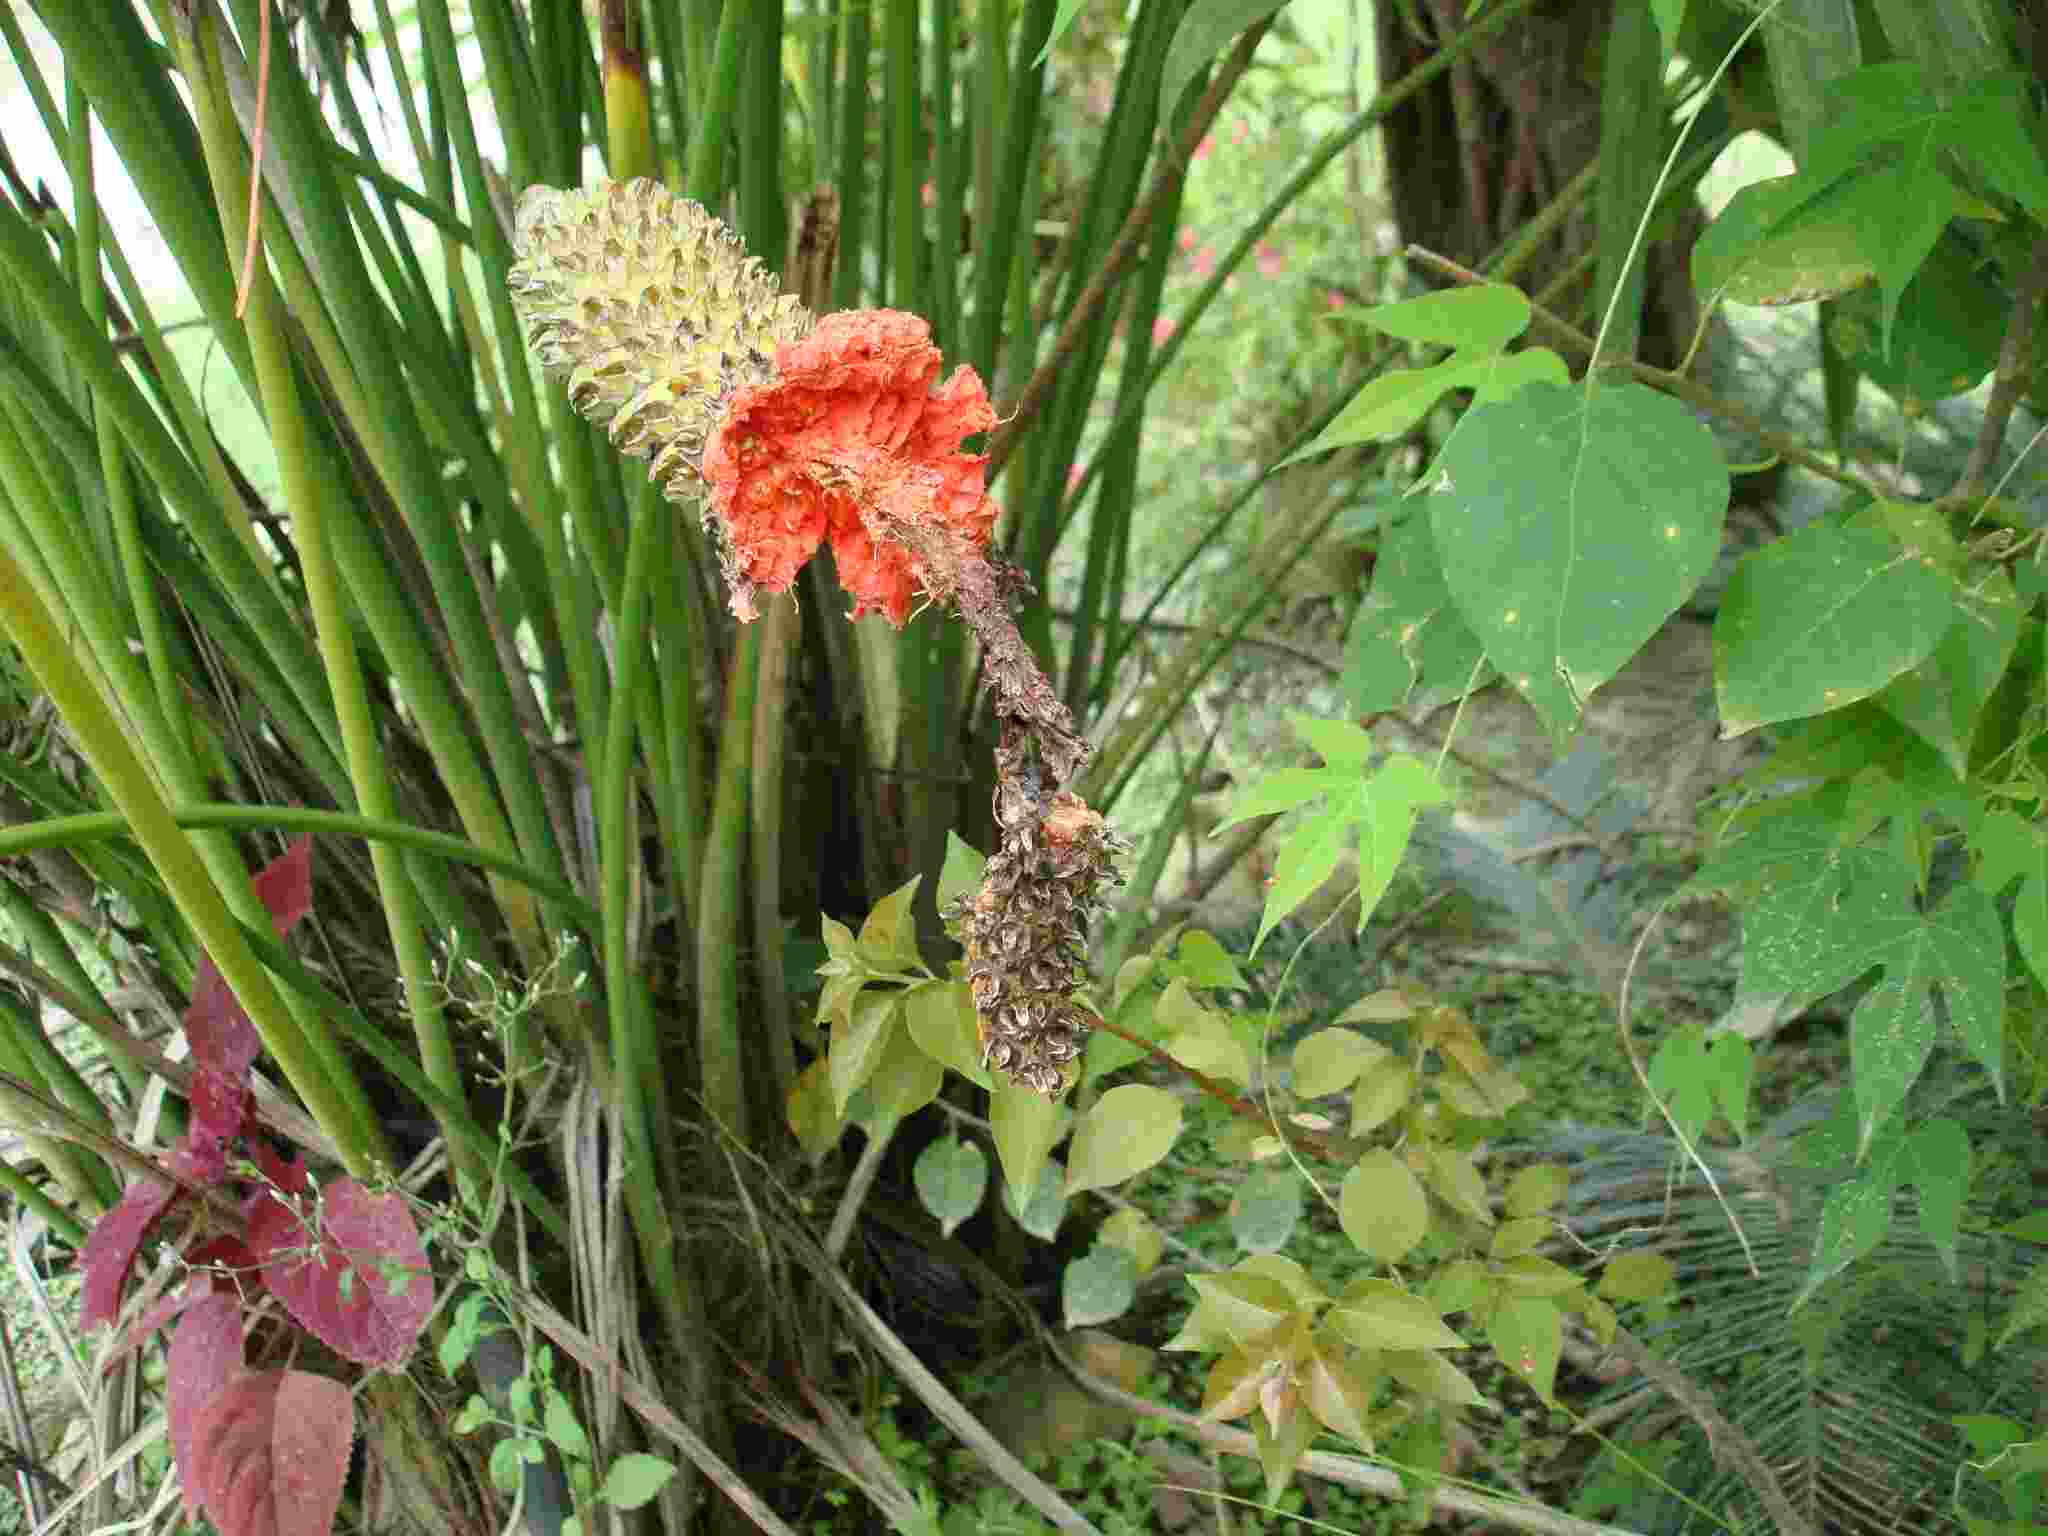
1788	448
249	244
1521	787
1129	241
1263	642
857	1186
2015	373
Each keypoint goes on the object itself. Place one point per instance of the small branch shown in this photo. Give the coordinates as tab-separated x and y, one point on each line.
1788	448
1279	647
1129	241
1728	1443
2015	373
856	1191
1536	792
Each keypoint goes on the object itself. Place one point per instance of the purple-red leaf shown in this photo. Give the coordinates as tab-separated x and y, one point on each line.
375	1315
271	1453
111	1246
217	1101
204	1358
223	1039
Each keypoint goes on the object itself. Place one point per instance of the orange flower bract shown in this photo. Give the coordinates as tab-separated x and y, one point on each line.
850	443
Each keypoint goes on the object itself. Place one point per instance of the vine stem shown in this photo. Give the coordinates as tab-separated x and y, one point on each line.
2015	373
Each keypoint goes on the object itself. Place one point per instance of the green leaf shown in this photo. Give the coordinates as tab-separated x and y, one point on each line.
1488	315
813	1120
633	1479
1937	1163
1383	1091
1820	619
1382	1207
961	873
1280	1451
1527	1332
1394	797
1536	1189
562	1427
1026	1125
508	1463
1202	962
1408	638
2028	1229
1853	1222
1389	406
1994	123
1339	1393
903	1081
857	1051
1638	1276
951	1177
1044	1212
1377	1314
1132	1230
1433	1378
1343	747
1243	1305
1208	1045
890	934
1266	1208
1124	1132
1670	16
1938	336
1099	1286
1520	1235
1330	1060
1307	858
940	1018
1460	1286
1206	29
1579	525
1289	1275
1272	793
1777	243
1458	1184
1891	1035
1731	1066
2030	1308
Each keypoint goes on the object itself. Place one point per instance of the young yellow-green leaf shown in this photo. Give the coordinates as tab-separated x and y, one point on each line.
1383	1092
1580	522
1522	1234
1599	1316
1458	1184
1460	1286
890	935
840	943
1731	1066
633	1479
1501	375
1431	1377
1131	1230
1330	1060
1819	619
1403	788
1280	1450
1265	1209
1535	1189
940	1016
1126	1131
1204	1333
951	1176
1339	1392
1778	243
1377	1314
1308	856
2029	1309
2028	1229
1272	793
1527	1332
1483	315
857	1051
1099	1286
1638	1276
1389	1005
1343	747
903	1081
562	1427
1389	405
1203	963
1298	1282
1046	1207
813	1119
1530	1274
1208	1045
1382	1208
1027	1127
1206	28
1244	1305
961	872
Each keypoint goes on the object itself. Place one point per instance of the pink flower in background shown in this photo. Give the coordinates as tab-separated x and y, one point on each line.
931	195
1205	261
1335	299
1240	131
1161	329
1074	473
1202	149
1187	238
1272	261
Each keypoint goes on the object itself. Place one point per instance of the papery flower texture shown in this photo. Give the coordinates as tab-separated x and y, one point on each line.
796	432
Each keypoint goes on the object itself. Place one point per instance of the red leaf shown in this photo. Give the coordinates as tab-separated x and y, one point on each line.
110	1248
204	1358
223	1039
271	1453
369	1238
217	1101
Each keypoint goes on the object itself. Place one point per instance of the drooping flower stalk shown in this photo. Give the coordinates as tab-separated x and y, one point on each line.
794	433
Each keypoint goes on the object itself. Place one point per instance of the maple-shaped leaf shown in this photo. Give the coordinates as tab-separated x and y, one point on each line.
360	1283
223	1038
270	1453
111	1247
204	1359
